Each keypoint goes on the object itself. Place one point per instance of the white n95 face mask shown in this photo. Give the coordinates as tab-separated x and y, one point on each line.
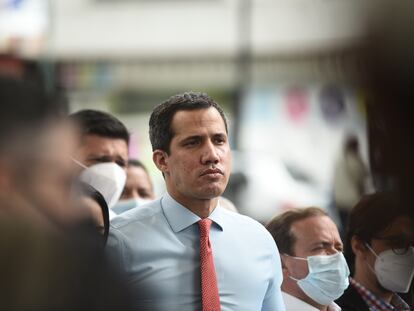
394	272
108	178
125	205
327	278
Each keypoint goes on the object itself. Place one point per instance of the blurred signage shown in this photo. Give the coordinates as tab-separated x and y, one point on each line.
297	103
23	26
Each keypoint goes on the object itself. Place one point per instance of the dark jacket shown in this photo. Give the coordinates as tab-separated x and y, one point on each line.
351	300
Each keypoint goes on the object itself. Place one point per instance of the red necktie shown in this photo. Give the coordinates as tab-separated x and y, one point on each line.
209	292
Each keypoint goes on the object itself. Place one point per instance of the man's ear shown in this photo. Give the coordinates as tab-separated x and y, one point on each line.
285	264
160	159
358	246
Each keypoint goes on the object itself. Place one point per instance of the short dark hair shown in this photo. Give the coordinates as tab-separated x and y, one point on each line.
137	163
369	217
95	122
280	227
160	130
25	107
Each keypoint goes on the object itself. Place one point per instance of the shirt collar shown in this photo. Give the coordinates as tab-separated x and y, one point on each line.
179	217
377	303
294	303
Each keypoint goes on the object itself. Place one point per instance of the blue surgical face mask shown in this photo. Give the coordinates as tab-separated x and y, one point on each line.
125	205
327	278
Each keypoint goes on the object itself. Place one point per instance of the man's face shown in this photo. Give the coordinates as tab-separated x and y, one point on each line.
198	165
49	181
399	235
96	149
138	185
317	235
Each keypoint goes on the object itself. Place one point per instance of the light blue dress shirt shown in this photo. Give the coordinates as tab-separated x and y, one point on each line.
157	247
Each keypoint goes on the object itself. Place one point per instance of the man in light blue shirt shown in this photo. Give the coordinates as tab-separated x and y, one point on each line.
158	246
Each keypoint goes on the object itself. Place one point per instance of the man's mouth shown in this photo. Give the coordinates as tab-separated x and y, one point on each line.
212	172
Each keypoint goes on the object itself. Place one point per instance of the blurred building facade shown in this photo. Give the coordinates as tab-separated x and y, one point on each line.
283	71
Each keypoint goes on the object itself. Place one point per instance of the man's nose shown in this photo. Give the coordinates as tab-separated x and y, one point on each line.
210	153
135	194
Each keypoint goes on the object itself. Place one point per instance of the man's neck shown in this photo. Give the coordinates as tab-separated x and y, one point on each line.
369	281
295	291
201	207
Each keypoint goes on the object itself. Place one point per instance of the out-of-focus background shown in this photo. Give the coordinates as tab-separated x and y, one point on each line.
283	71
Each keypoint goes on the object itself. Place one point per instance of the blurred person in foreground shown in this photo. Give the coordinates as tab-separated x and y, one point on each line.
379	249
388	78
93	201
35	172
178	252
47	261
315	272
138	188
102	156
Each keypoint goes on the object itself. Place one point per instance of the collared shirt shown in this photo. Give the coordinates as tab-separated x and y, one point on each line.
295	304
158	250
375	303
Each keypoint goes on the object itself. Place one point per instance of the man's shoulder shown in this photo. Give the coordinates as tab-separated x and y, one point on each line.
248	224
241	219
351	300
143	213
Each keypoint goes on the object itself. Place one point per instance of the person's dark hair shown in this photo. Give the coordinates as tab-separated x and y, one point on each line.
351	144
90	192
137	163
24	107
280	227
160	130
94	122
370	216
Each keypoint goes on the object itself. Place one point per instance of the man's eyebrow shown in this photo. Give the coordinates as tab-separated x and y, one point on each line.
191	137
98	157
323	243
221	134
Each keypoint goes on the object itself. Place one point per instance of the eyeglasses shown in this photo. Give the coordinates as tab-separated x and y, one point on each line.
399	245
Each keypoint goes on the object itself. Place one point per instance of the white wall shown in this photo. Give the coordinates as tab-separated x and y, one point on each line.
83	28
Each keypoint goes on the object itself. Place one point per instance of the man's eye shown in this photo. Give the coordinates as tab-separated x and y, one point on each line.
144	194
190	143
121	163
219	141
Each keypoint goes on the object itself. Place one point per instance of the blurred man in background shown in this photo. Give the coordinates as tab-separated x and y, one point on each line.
380	252
350	177
104	138
315	272
138	188
102	154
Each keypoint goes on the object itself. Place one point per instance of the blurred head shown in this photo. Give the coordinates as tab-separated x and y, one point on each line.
35	170
299	234
351	144
138	183
103	138
378	225
96	208
188	134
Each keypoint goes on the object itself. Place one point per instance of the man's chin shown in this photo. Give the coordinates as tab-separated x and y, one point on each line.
211	193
